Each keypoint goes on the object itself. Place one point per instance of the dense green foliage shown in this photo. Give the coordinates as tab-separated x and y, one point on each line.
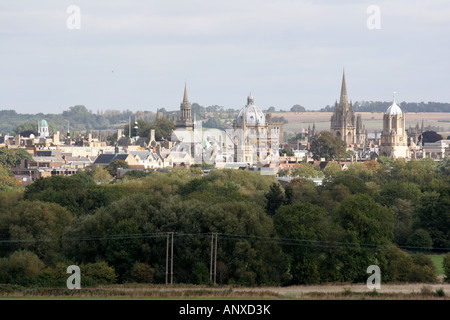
326	145
446	265
387	213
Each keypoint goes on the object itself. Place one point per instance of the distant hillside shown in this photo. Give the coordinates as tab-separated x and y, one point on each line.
378	106
78	117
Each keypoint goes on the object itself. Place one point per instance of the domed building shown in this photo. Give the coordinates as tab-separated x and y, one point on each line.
394	139
43	129
256	136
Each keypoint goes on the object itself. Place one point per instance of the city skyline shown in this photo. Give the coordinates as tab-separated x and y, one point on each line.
138	56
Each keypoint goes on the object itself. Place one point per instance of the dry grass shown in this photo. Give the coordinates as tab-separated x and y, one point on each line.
331	291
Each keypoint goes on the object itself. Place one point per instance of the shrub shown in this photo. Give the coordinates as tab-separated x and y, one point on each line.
446	265
142	273
97	273
420	240
402	267
440	292
200	274
21	267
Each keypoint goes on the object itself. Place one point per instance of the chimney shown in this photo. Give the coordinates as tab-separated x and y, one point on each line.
152	135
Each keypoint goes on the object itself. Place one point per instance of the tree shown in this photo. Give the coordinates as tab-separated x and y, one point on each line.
115	165
274	198
78	193
142	273
41	224
326	145
29	127
99	174
124	253
306	170
99	273
331	170
298	108
163	128
404	215
8	182
143	129
398	266
368	227
22	154
307	224
288	151
197	109
302	190
446	266
394	190
7	158
20	267
433	215
443	167
420	240
430	137
10	158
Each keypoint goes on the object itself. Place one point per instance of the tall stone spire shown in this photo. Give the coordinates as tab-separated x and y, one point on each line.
185	119
343	101
185	97
343	121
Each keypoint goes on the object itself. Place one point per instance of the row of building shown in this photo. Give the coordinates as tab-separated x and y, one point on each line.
254	141
395	140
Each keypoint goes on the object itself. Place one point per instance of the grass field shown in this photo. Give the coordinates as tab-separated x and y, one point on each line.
339	291
438	260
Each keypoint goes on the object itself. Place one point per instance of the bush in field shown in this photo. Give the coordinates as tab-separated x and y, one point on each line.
97	273
200	274
402	267
446	264
21	267
142	273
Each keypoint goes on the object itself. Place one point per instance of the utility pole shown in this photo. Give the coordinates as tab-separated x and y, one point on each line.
169	236
171	263
213	254
215	260
167	258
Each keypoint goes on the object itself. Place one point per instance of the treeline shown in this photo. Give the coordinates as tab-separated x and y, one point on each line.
387	213
379	106
78	118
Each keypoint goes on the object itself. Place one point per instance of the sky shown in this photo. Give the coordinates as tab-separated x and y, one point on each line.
138	55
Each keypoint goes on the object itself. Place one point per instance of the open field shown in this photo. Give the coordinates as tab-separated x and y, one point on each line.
438	260
436	291
372	121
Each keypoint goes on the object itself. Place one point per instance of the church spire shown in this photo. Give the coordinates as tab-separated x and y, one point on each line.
185	97
343	102
184	119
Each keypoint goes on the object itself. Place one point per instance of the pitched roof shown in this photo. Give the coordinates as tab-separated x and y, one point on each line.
107	158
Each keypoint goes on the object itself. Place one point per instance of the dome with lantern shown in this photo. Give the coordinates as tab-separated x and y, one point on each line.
253	115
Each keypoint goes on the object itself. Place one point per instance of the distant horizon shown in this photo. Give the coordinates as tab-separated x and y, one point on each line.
236	109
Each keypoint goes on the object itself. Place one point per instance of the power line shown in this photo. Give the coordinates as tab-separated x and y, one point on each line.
232	237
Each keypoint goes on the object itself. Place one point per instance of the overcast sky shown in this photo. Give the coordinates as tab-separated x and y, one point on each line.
137	55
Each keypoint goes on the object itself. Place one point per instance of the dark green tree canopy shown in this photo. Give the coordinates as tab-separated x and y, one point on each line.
326	145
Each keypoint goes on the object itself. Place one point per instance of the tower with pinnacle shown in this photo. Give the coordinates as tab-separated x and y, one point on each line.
343	120
394	142
185	116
